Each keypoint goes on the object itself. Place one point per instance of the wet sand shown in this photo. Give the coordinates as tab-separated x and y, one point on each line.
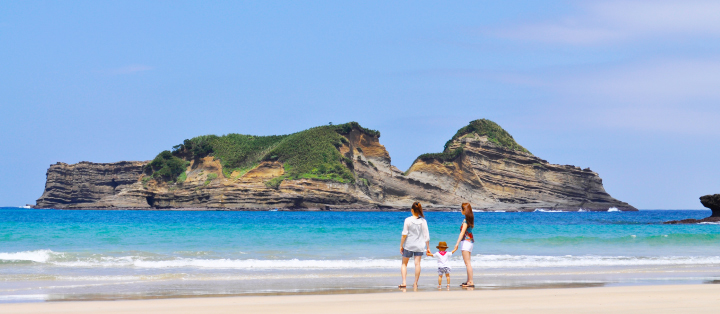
625	299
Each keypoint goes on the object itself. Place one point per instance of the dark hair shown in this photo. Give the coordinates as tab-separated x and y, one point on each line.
417	208
469	216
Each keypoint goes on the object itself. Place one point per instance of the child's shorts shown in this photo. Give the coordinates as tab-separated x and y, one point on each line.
443	270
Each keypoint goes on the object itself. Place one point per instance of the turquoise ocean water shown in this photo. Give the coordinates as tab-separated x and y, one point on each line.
53	254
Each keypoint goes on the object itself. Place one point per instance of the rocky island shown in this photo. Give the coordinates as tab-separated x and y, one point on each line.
333	167
710	201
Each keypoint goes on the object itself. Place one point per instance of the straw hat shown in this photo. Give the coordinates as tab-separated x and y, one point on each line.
442	245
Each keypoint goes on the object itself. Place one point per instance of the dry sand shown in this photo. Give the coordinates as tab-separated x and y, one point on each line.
626	299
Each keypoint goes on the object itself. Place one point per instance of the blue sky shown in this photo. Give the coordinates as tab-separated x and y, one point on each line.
627	88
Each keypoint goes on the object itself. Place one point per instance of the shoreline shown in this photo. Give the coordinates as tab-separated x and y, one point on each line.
310	282
698	298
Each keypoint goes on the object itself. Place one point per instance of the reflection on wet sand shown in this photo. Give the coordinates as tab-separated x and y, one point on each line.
329	282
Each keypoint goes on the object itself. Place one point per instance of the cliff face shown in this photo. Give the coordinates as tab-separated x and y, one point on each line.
490	176
93	185
484	174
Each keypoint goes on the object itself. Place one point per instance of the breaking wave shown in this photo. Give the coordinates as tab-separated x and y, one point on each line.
39	256
541	210
47	257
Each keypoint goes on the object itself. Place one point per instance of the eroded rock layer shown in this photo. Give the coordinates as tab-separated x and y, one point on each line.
485	174
94	185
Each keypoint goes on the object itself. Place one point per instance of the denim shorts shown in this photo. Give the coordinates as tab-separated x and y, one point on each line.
443	270
410	254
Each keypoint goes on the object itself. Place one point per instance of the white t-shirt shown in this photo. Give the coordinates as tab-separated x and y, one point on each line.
416	230
443	260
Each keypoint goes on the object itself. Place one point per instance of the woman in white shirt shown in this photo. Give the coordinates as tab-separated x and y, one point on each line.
414	242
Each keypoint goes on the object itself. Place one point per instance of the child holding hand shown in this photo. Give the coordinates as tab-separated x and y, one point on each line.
443	262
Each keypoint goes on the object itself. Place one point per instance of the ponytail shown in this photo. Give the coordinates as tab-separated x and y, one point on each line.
469	216
417	209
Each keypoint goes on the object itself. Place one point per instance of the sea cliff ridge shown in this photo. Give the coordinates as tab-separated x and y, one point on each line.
338	167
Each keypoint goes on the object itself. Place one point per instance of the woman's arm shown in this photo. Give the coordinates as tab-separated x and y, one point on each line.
462	233
427	237
404	236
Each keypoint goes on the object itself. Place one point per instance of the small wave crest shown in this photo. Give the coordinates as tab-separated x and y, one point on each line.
531	261
542	210
39	256
481	261
620	240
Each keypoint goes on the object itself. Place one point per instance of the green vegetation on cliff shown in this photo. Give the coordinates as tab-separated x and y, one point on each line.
166	166
312	153
237	152
481	127
492	130
445	156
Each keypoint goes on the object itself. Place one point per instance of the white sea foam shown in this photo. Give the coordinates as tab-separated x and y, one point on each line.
481	261
23	298
541	210
39	256
613	209
532	261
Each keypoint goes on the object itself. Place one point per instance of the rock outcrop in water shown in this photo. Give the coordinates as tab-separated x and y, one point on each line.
485	168
94	185
710	201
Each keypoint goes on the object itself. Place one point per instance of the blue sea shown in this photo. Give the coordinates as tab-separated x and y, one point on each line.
81	255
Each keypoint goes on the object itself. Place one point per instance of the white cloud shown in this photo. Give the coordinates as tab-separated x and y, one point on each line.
673	95
656	81
667	16
555	33
613	21
663	119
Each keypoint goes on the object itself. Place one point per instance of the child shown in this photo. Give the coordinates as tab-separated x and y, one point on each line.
443	258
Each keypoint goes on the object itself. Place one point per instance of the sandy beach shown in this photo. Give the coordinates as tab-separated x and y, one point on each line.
625	299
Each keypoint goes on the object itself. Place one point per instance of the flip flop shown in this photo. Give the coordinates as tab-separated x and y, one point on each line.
401	286
468	286
463	284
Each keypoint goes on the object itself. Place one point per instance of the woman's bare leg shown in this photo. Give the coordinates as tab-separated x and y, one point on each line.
417	269
403	270
466	257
